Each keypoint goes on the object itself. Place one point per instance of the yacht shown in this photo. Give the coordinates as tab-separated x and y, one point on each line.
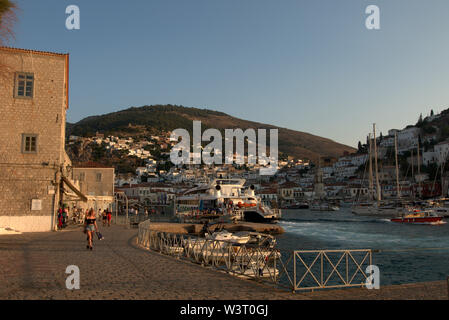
378	209
440	207
297	205
224	235
224	198
324	206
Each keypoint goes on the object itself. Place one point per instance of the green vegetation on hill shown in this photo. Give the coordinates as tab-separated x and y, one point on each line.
133	121
158	117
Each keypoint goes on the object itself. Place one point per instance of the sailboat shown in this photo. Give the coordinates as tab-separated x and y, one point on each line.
441	206
378	208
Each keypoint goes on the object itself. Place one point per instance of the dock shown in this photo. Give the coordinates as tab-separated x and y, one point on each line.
34	265
194	229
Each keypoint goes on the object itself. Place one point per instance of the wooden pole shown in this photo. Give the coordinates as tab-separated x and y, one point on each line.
419	175
398	190
413	176
371	186
379	195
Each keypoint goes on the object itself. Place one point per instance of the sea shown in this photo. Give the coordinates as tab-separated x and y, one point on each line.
404	253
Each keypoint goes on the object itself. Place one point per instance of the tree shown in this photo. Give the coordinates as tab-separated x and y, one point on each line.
431	113
7	19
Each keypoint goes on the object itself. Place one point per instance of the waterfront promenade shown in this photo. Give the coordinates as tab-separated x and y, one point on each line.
33	267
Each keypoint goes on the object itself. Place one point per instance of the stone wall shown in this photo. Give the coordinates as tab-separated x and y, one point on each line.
28	176
89	184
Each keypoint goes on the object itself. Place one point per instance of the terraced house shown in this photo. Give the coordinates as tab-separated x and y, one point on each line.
34	167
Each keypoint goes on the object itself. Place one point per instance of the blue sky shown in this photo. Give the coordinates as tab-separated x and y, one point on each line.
308	65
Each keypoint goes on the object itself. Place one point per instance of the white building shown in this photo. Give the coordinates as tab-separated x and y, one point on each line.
408	139
429	157
441	151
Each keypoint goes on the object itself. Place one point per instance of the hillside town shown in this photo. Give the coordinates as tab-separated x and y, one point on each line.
409	162
156	181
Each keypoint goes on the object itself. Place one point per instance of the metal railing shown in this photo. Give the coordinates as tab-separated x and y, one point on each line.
319	269
297	270
251	261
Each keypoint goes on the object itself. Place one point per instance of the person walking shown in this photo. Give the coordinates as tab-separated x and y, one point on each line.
104	215
65	214
109	215
90	226
60	218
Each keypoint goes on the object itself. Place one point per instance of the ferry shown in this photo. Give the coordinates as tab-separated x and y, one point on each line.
224	198
420	217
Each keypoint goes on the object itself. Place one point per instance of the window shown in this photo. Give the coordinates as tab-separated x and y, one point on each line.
29	143
82	175
24	85
98	177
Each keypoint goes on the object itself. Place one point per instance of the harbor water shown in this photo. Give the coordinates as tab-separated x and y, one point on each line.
407	253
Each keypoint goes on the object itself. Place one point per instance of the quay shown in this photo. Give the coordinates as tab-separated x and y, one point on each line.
191	228
34	264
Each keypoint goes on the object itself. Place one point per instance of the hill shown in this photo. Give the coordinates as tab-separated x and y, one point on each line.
169	117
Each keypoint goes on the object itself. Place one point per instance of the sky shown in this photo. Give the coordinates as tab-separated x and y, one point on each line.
307	65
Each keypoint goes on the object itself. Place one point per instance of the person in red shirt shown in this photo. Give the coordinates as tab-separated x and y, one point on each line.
60	219
109	215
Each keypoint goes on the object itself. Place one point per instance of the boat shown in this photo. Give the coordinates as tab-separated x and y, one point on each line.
381	209
297	205
324	206
243	247
174	250
439	206
420	217
441	211
224	199
225	235
254	270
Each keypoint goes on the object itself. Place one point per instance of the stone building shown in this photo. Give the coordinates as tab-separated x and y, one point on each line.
33	162
96	182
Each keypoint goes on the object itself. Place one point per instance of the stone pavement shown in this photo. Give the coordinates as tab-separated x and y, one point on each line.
33	267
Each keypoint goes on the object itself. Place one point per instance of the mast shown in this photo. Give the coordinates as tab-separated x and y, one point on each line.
419	175
379	197
371	187
443	163
413	176
398	190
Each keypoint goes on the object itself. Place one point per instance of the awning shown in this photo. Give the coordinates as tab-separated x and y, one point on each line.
74	189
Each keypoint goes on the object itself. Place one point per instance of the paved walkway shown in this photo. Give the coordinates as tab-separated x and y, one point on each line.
33	267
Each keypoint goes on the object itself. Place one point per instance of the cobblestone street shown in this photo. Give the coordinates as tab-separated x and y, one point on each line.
33	267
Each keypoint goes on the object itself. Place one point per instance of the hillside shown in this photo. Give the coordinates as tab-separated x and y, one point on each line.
168	117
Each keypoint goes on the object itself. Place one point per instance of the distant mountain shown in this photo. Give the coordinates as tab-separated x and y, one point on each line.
169	117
